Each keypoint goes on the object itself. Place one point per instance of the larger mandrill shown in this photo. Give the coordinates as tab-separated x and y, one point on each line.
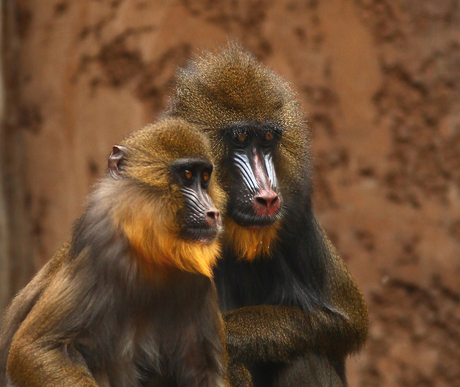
293	313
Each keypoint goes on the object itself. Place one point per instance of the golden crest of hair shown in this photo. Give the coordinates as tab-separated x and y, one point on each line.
231	86
152	149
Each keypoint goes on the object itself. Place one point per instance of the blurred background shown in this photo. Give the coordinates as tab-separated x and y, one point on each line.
379	81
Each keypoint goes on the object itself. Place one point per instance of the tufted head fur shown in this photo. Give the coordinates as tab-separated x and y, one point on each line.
219	90
147	204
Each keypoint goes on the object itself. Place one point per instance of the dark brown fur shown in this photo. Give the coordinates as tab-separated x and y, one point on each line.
110	311
293	312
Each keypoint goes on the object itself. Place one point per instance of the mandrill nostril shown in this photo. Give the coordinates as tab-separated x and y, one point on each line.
213	218
267	199
212	215
262	201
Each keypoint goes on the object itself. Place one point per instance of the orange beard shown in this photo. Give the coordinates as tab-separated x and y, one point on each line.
157	244
250	242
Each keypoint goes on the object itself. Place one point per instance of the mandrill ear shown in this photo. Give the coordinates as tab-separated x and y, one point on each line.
115	160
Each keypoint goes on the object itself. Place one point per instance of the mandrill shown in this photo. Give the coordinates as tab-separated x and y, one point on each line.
293	313
129	300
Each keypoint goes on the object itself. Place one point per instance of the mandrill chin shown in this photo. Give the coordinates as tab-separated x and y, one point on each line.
129	300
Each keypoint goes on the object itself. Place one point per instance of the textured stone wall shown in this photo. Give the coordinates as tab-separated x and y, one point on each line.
379	81
4	234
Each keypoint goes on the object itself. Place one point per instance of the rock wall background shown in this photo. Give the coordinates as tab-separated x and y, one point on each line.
379	81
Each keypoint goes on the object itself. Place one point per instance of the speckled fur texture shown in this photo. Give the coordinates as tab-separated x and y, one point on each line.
116	306
217	90
293	313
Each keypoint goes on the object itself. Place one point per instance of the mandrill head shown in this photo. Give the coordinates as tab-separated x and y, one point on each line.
167	203
259	140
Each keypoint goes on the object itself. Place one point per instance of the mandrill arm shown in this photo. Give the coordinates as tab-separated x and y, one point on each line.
278	333
33	363
41	353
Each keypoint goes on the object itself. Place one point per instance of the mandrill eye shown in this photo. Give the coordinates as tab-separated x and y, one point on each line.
268	136
242	137
188	174
205	176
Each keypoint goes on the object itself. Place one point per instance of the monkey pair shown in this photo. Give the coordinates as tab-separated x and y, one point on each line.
292	313
129	300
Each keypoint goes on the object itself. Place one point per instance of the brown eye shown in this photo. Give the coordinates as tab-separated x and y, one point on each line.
268	136
242	137
188	174
206	176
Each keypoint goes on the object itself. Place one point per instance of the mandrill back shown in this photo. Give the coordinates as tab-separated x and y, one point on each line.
129	300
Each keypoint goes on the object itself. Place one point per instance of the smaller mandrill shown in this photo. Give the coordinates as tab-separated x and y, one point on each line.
129	300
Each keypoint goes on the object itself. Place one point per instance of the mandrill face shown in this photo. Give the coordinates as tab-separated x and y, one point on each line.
169	210
254	196
201	219
259	141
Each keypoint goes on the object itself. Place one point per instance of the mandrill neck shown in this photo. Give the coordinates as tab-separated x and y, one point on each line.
102	256
293	274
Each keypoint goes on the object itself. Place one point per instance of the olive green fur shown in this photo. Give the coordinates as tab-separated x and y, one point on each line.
93	313
231	86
